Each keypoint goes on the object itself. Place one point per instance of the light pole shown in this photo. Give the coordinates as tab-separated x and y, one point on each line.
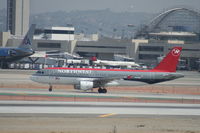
131	26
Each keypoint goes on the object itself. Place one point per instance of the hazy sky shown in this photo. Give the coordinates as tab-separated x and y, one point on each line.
38	6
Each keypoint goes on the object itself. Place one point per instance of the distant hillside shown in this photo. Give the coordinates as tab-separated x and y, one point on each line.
105	22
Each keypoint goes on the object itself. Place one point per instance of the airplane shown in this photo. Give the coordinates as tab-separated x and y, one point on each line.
89	78
116	63
8	55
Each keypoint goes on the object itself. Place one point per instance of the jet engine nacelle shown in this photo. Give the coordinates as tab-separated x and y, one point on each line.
84	85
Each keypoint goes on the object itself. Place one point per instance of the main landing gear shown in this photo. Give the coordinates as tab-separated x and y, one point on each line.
102	90
50	88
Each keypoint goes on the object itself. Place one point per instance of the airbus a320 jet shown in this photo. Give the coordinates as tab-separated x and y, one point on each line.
8	55
89	78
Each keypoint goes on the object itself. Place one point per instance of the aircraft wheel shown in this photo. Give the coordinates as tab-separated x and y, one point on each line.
100	90
50	88
104	90
4	65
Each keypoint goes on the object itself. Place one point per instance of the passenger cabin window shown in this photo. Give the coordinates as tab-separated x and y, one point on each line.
40	72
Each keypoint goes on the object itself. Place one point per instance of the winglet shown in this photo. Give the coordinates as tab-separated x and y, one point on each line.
28	39
169	63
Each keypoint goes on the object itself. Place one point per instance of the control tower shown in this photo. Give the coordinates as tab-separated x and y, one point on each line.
18	16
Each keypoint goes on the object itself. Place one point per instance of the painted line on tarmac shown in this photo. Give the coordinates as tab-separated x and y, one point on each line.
91	96
106	115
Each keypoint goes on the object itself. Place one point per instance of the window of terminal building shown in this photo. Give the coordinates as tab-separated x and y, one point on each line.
49	45
148	56
192	50
151	48
58	32
189	50
84	46
40	31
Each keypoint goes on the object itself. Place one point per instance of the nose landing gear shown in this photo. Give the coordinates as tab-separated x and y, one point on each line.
50	88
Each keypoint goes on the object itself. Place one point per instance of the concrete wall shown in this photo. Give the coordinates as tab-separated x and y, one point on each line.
105	46
190	52
65	45
4	36
19	19
68	37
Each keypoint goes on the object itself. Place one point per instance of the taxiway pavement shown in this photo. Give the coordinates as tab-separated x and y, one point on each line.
29	115
99	108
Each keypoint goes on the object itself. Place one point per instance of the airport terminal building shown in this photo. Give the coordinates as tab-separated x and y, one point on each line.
174	27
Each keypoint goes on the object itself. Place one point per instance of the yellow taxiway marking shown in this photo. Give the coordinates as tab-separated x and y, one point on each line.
106	115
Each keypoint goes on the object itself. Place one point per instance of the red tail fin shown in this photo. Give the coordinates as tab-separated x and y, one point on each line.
169	63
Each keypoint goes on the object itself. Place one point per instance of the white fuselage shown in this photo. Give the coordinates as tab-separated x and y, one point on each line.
53	80
73	76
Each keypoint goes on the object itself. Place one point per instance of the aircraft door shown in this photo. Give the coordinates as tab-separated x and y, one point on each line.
50	76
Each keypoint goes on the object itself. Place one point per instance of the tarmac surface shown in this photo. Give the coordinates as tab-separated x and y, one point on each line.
18	94
98	117
100	108
169	107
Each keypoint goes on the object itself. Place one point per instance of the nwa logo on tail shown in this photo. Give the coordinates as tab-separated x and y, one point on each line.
176	52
